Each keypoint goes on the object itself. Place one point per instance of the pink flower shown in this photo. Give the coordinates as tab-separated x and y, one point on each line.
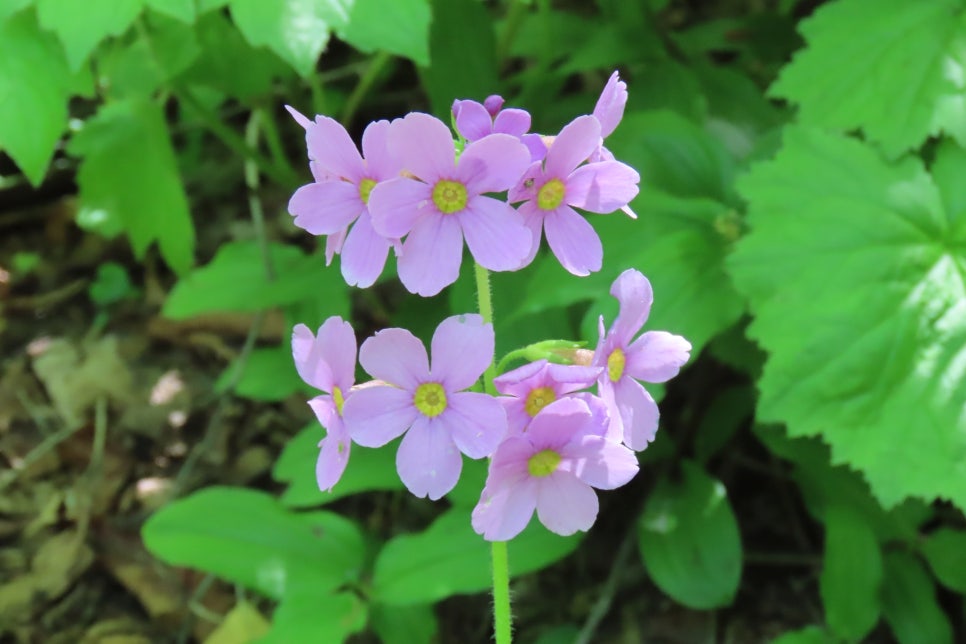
344	180
533	386
550	190
328	362
445	203
655	356
609	110
552	468
442	420
475	121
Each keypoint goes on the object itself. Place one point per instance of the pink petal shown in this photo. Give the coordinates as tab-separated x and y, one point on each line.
431	255
522	380
477	423
331	147
428	462
396	205
397	357
558	423
496	234
425	145
528	184
381	163
639	413
574	241
325	208
610	106
364	253
374	416
462	349
492	164
602	187
536	145
308	359
502	515
635	295
657	356
601	463
300	118
333	450
512	121
333	244
573	145
472	120
533	219
565	504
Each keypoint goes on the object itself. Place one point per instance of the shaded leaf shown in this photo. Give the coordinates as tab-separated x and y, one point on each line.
909	602
399	27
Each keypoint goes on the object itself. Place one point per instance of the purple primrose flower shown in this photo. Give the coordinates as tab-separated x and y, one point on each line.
609	110
327	361
344	179
475	121
442	420
655	356
533	386
552	468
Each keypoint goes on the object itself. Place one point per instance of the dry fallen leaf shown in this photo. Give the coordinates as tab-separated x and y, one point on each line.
243	624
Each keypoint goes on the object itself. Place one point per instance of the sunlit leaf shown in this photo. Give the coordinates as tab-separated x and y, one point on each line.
399	27
82	26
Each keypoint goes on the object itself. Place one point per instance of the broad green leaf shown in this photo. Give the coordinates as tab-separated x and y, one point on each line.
414	624
82	26
368	469
249	538
399	27
129	170
807	635
296	30
909	602
689	540
269	375
890	67
10	7
308	615
462	49
945	550
723	416
851	575
448	558
183	10
856	276
34	88
235	280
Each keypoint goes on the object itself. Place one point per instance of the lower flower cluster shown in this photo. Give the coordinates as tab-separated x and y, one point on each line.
556	432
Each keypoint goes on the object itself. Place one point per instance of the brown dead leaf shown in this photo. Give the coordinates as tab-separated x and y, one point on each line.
157	587
121	630
243	624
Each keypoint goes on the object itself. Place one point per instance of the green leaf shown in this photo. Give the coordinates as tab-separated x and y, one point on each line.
82	26
296	30
306	615
689	540
851	575
110	285
235	280
183	10
34	88
899	77
399	27
807	635
462	48
856	276
368	470
945	550
725	414
249	538
415	624
909	602
129	170
10	7
448	558
269	375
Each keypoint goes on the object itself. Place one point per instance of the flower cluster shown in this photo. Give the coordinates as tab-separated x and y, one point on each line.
409	190
551	440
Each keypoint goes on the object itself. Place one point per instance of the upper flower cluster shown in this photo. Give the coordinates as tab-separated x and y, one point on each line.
550	438
413	191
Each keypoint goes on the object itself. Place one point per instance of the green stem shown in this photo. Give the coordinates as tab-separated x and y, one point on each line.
511	26
501	572
362	88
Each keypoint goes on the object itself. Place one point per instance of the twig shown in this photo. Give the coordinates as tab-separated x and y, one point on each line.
50	298
602	606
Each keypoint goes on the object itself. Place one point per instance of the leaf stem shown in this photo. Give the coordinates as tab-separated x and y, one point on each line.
368	79
485	303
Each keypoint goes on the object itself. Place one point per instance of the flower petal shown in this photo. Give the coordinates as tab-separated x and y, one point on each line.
425	146
300	118
492	164
574	241
428	462
635	295
325	208
381	163
512	121
333	449
396	205
602	187
528	184
472	120
610	106
431	255
397	357
657	356
498	238
333	244
639	413
557	424
565	504
331	147
573	145
328	359
601	463
503	514
375	415
477	423
522	380
308	359
461	350
364	253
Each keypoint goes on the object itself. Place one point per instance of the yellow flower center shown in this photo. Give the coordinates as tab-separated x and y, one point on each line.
615	365
543	463
365	187
338	399
430	399
539	398
449	196
551	195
